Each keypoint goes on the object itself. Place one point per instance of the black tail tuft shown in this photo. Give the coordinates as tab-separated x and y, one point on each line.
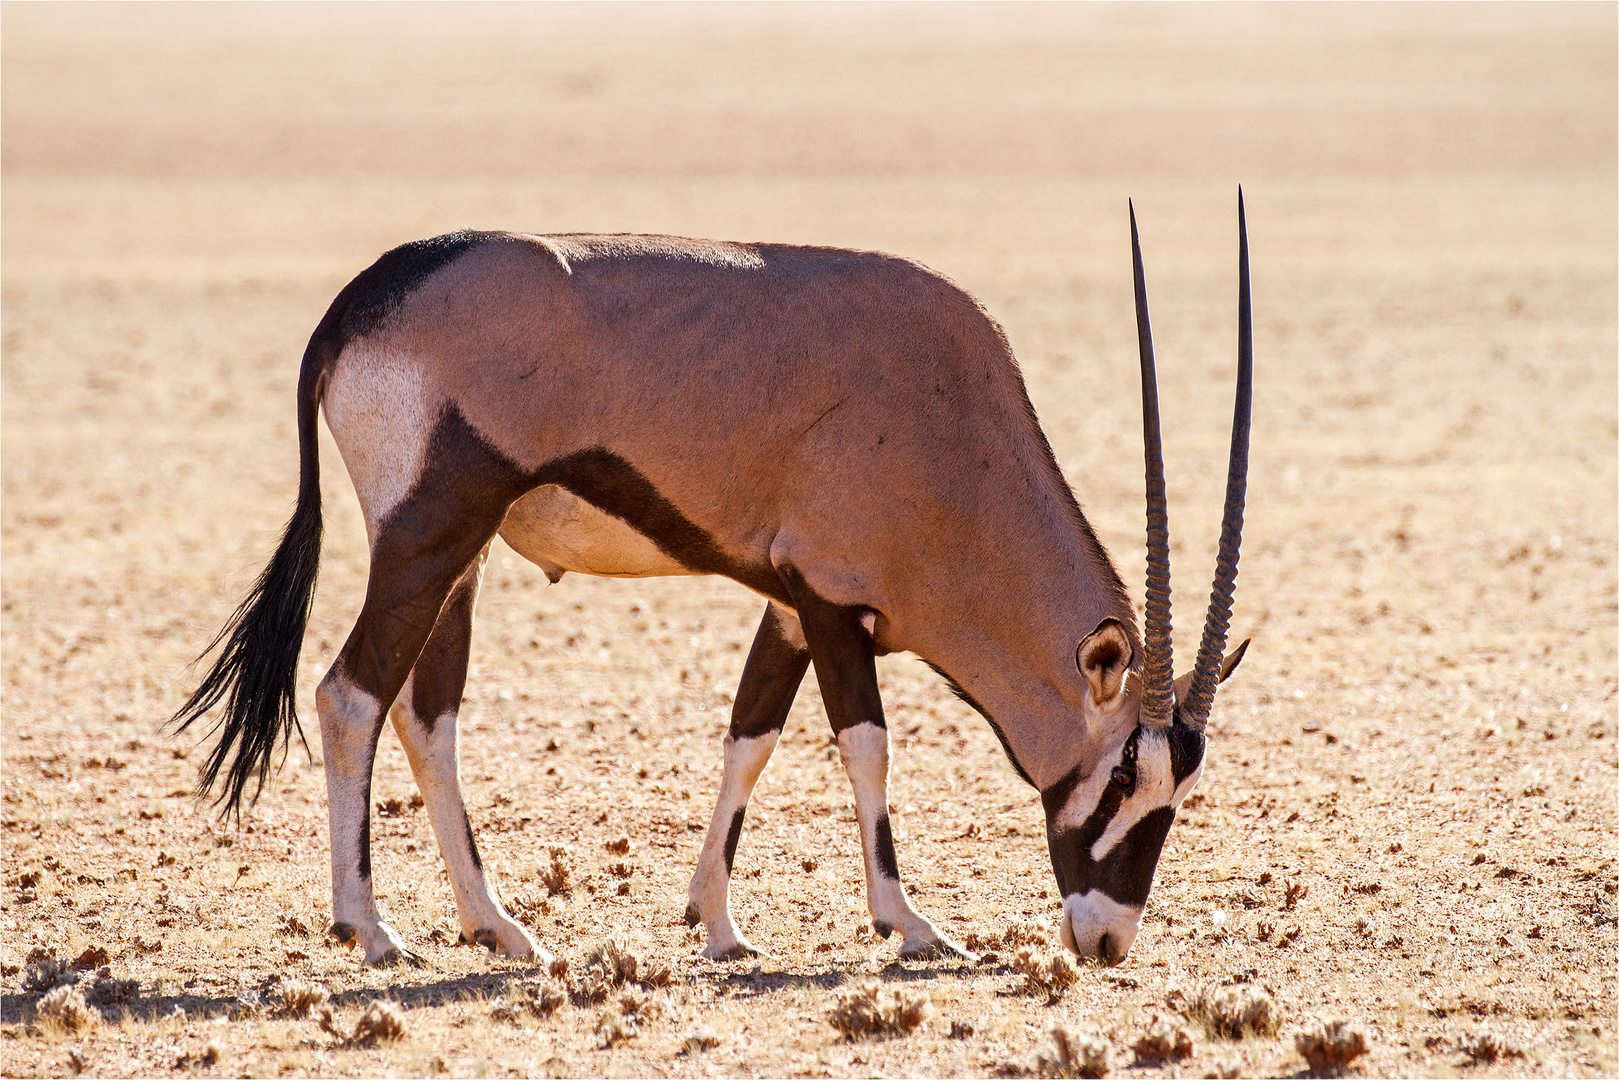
256	673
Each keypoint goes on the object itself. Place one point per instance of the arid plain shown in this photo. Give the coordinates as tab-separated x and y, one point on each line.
1408	817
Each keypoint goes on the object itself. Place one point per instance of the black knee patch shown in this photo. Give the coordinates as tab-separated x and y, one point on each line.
472	845
731	838
887	862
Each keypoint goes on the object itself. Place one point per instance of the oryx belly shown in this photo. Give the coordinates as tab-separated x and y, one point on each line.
558	531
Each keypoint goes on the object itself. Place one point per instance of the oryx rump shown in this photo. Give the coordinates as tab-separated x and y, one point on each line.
845	433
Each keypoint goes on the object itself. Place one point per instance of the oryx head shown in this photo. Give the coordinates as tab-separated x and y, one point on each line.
1106	822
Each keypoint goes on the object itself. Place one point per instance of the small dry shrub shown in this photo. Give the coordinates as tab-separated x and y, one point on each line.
1232	1012
558	877
1085	1054
610	965
700	1040
1330	1047
533	999
65	1009
91	958
1047	975
298	998
872	1010
379	1023
107	991
614	1028
47	974
1164	1040
1486	1048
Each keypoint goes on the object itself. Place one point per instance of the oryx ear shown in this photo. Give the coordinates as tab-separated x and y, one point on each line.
1233	658
1227	666
1104	659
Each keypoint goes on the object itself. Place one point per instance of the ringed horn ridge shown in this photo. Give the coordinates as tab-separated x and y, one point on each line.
1158	705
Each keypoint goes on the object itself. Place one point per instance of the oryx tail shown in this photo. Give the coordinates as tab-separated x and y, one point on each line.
256	672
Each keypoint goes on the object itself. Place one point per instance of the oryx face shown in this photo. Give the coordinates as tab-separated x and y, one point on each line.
1106	830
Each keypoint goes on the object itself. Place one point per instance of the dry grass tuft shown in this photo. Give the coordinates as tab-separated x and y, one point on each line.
558	877
66	1010
298	998
1486	1048
872	1010
1233	1012
1164	1040
1016	935
699	1041
1047	974
1086	1054
47	974
1330	1047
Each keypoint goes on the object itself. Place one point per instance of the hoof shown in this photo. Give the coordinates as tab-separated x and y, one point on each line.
883	929
938	949
740	951
693	916
397	958
344	933
487	939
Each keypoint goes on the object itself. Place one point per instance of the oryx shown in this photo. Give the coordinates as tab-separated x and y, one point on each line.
845	433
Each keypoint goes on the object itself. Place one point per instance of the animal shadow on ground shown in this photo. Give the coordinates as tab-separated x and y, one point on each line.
150	1007
757	983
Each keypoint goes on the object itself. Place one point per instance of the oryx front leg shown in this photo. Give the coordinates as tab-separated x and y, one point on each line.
775	667
426	718
845	666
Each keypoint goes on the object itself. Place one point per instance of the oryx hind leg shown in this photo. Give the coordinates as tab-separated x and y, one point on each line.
775	666
841	646
419	551
426	715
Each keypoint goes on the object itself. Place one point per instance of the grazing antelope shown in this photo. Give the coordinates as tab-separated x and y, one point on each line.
845	433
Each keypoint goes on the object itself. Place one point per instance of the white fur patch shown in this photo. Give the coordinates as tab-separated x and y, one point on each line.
381	413
554	528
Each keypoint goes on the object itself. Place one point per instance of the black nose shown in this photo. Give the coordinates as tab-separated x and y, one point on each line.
1104	950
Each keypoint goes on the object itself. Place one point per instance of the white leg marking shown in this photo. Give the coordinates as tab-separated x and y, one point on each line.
435	761
348	716
745	759
864	750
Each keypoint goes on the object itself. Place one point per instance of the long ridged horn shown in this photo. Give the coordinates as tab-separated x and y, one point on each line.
1206	675
1158	671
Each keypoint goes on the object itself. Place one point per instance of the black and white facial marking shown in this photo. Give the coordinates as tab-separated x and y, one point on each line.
1107	829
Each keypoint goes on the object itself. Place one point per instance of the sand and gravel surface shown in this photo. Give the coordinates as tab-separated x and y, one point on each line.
1408	818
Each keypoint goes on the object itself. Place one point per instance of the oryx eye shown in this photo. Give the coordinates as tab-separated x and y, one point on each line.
1123	777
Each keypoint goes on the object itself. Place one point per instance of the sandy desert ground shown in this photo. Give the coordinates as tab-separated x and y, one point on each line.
1408	817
